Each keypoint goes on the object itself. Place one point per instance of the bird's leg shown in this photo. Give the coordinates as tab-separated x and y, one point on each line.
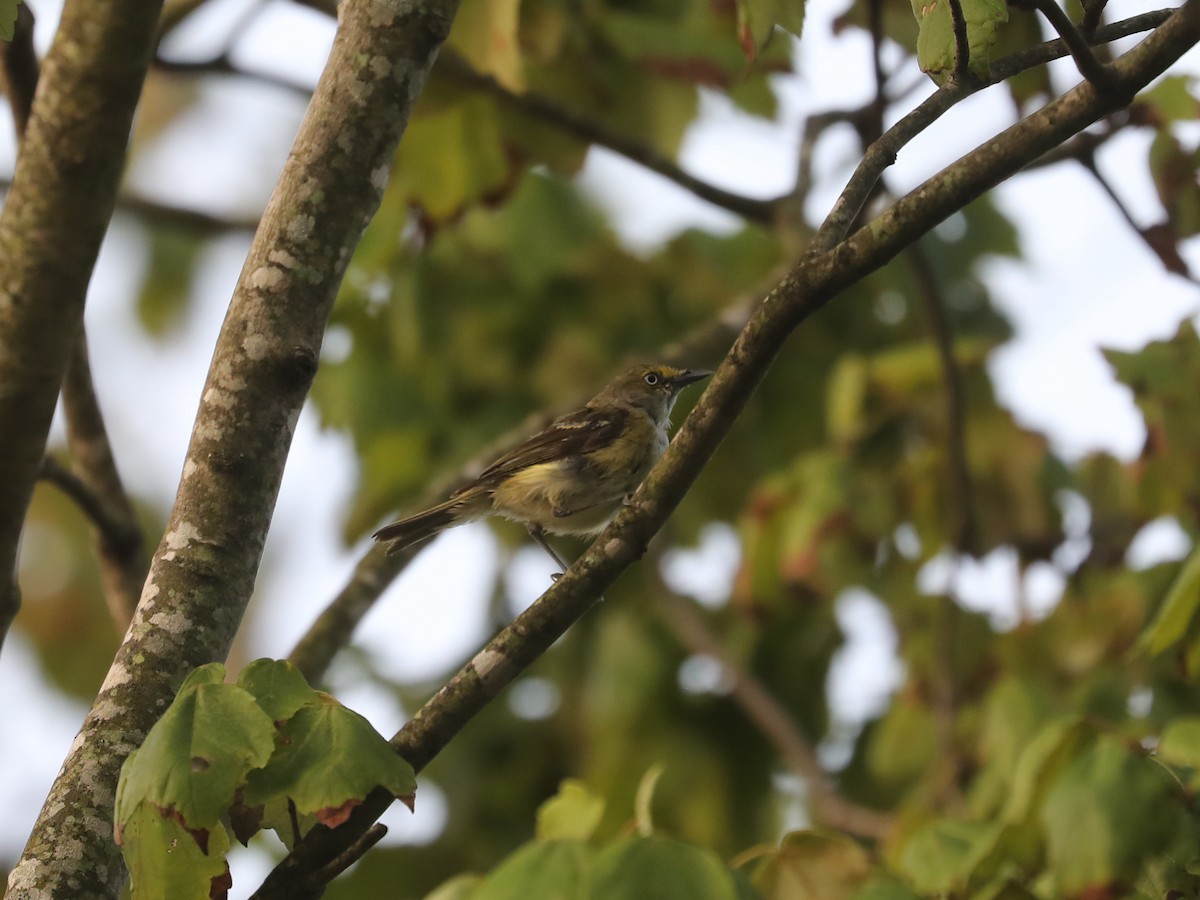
539	535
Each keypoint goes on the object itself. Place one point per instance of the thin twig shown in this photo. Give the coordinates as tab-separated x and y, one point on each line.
588	129
222	64
123	562
1093	10
1159	239
962	530
1085	60
119	536
882	153
962	46
770	717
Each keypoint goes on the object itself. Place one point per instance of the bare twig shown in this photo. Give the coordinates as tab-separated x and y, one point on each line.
962	530
962	46
588	129
122	568
123	562
1092	12
1159	240
882	153
1085	60
774	722
221	64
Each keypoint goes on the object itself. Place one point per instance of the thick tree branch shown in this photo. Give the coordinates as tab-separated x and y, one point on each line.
122	568
204	570
813	282
54	218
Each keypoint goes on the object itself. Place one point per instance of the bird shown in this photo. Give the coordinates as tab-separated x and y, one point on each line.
572	477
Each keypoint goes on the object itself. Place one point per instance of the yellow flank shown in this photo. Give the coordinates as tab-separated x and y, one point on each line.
553	496
573	476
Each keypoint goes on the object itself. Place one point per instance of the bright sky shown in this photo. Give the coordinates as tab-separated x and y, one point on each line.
1083	282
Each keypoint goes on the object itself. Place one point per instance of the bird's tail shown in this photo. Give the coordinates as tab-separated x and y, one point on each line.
424	525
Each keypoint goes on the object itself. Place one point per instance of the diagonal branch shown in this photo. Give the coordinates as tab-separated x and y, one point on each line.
122	568
882	153
54	218
204	569
811	284
1085	60
333	628
122	555
774	722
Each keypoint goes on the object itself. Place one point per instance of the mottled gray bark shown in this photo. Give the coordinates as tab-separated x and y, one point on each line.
203	571
54	218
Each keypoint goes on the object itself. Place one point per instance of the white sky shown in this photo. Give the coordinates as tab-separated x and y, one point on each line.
1083	282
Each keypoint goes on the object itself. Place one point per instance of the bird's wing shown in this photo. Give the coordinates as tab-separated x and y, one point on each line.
574	434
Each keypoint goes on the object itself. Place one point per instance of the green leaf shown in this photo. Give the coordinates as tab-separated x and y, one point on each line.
329	758
757	20
165	859
885	887
485	33
460	887
1177	611
198	754
1180	741
570	815
813	865
643	800
938	857
936	47
541	870
278	687
1105	816
660	868
8	18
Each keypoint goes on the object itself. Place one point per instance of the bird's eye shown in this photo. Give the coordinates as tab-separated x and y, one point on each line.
651	378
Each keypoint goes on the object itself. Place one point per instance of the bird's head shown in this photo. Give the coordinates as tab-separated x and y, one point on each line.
652	388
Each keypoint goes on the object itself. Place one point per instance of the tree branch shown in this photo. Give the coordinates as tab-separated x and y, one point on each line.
882	153
121	554
813	282
587	129
774	722
962	529
122	568
1085	60
204	570
54	218
962	46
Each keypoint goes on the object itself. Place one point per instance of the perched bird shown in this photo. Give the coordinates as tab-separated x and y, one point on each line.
572	477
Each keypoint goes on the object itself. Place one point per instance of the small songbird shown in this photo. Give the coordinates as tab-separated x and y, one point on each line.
572	477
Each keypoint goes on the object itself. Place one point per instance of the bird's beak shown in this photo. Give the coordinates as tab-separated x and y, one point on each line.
689	376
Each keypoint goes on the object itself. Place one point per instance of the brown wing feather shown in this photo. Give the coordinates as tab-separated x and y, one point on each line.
572	435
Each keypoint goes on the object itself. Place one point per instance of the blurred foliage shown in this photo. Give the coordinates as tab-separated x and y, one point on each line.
1048	752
